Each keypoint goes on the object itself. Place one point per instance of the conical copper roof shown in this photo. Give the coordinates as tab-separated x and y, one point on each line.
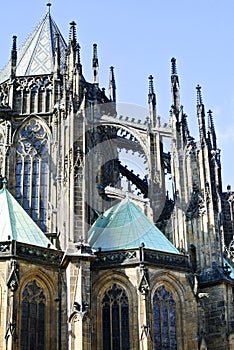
125	226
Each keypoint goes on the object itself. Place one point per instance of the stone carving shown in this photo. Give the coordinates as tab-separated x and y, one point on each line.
13	279
196	206
144	283
33	139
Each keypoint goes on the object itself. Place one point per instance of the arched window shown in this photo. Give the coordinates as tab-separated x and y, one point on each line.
115	319
32	170
33	320
164	316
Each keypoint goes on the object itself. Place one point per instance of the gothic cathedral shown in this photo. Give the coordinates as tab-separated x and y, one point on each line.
93	255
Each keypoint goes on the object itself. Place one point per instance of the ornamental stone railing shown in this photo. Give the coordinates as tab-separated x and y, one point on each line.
17	249
141	255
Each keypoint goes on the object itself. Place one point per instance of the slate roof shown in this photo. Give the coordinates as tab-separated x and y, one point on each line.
16	224
125	226
36	56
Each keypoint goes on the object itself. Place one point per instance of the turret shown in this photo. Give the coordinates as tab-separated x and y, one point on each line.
95	64
152	103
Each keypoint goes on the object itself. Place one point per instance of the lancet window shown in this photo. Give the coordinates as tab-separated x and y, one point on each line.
164	317
32	170
33	319
115	319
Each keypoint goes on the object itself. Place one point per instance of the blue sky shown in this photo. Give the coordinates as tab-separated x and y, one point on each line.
139	39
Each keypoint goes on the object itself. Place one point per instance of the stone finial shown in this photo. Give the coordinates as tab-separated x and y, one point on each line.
152	102
112	85
72	37
13	56
173	66
151	84
14	42
199	95
95	64
210	119
49	6
95	56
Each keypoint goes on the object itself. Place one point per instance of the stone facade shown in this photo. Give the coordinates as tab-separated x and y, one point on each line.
60	139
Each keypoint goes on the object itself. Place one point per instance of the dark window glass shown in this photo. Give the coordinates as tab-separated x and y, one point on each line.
33	318
115	319
164	312
32	171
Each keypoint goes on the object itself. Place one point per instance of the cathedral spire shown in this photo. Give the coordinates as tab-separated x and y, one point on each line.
112	85
201	114
95	64
152	102
175	86
13	57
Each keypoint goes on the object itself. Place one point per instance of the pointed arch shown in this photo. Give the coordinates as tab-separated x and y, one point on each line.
115	318
37	311
31	143
116	301
164	319
168	312
33	316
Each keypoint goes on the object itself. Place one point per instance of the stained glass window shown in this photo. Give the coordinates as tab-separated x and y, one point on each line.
115	319
164	314
32	170
33	318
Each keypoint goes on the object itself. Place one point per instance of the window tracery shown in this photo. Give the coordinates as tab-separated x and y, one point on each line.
164	317
32	170
33	320
115	319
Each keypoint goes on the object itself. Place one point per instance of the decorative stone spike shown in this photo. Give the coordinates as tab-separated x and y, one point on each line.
199	95
173	66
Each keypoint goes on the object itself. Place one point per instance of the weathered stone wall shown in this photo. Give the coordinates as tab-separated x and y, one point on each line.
47	278
140	290
218	315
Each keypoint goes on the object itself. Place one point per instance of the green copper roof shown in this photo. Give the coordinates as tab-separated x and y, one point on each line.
231	269
16	224
125	226
36	56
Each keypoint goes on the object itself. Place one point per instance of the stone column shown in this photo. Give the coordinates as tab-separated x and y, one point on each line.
78	280
143	307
